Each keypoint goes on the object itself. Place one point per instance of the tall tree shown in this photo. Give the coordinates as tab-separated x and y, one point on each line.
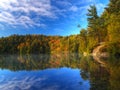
93	23
92	16
113	27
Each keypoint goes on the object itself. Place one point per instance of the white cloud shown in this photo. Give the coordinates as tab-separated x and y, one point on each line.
19	12
7	17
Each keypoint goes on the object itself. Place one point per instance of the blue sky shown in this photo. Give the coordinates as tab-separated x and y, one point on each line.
48	17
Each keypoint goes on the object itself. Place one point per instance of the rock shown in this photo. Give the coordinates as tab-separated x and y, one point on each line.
98	53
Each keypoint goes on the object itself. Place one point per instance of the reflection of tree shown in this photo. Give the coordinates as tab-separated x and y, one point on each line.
84	68
93	71
105	78
26	62
114	68
37	62
99	79
64	60
115	78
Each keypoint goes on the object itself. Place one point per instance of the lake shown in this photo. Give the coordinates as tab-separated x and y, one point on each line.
58	72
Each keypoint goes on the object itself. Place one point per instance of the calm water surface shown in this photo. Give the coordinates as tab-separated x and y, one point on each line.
58	72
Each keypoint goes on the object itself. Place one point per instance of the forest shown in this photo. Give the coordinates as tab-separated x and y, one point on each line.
103	29
39	44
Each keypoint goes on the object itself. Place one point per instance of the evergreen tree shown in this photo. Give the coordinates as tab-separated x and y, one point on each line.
93	23
92	16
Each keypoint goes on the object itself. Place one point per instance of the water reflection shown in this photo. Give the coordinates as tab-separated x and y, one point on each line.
58	72
38	62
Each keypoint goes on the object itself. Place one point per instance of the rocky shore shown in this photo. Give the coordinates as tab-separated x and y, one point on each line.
98	53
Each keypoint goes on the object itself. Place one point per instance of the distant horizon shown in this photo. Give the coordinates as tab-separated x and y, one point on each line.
48	17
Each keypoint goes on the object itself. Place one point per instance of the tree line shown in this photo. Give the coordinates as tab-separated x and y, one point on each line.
38	44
